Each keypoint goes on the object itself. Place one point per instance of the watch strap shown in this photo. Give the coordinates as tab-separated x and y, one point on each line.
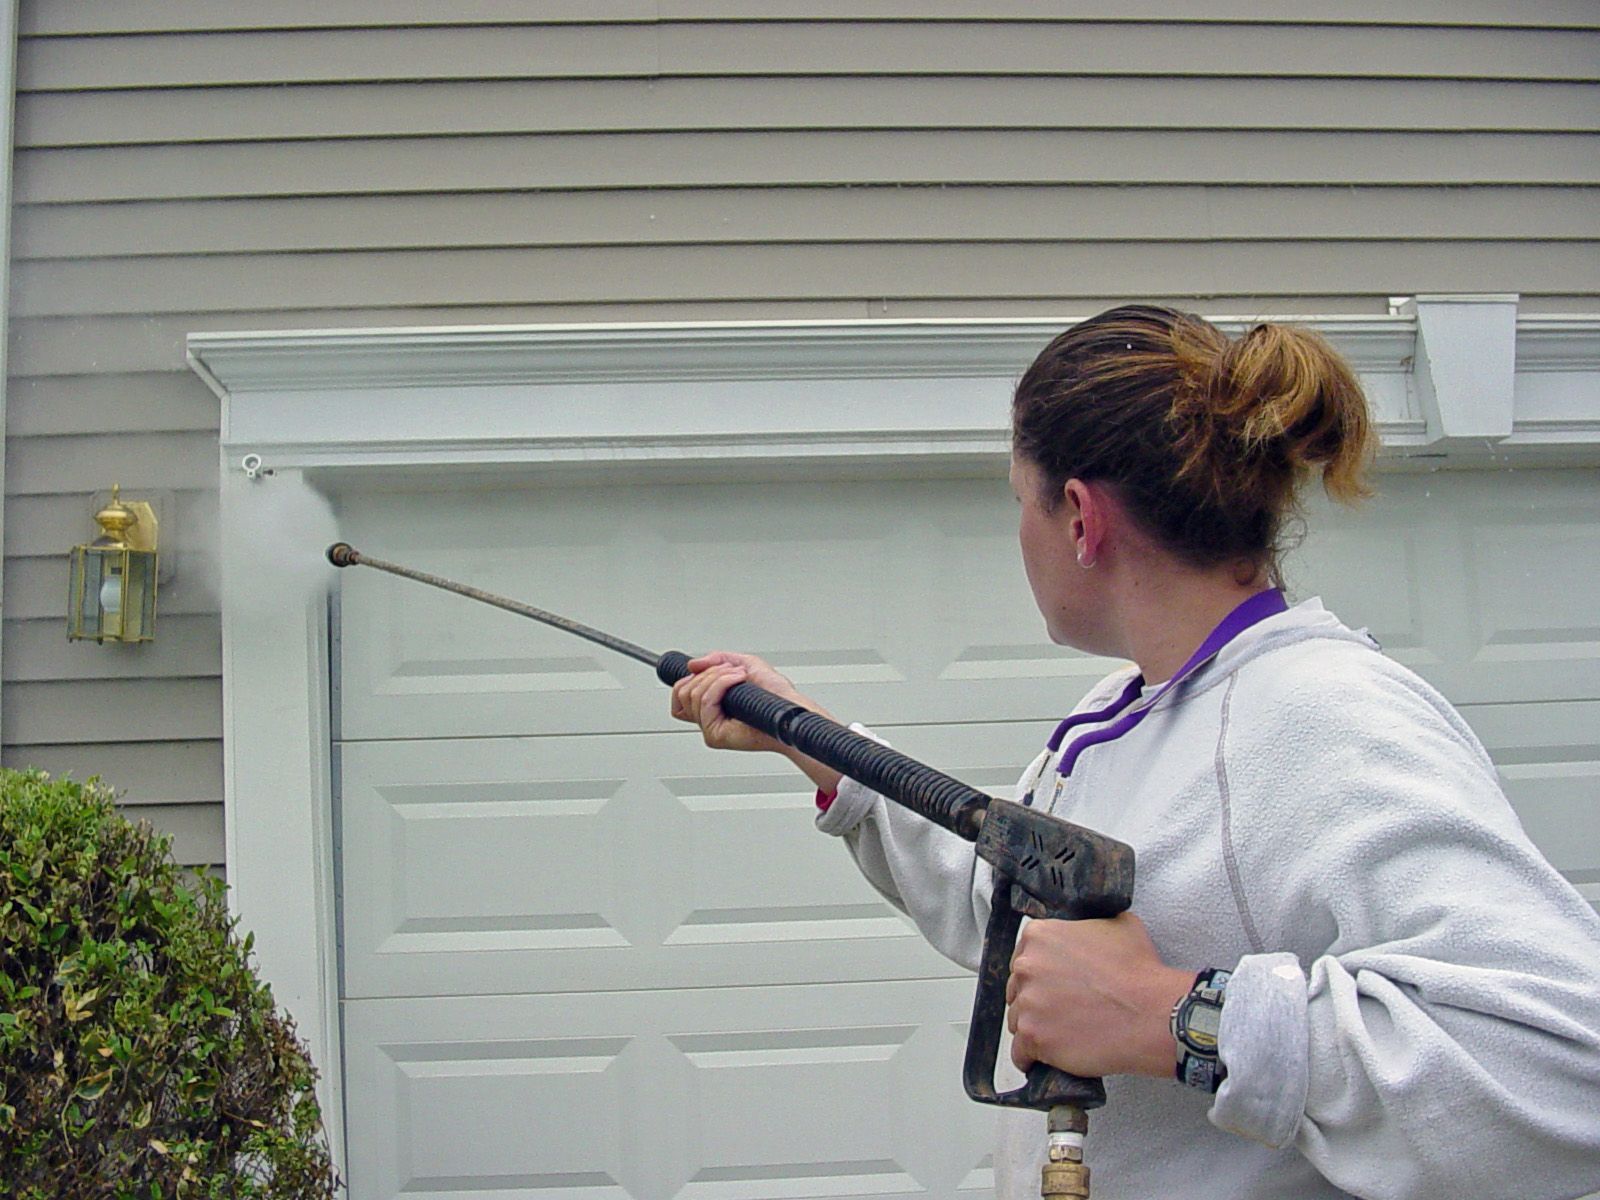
1198	1064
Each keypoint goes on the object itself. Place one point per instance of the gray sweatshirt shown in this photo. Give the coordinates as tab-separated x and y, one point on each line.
1415	1005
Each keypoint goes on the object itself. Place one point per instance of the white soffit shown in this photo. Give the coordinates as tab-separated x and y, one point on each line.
1437	374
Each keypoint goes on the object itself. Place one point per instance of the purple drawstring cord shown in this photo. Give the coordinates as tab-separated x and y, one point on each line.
1257	608
1129	694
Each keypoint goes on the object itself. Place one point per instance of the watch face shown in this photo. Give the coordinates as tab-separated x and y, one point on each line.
1205	1023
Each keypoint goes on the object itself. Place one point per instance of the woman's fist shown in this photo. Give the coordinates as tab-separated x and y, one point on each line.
697	699
1093	998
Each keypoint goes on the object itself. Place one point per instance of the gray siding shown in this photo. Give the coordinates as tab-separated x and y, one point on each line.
209	164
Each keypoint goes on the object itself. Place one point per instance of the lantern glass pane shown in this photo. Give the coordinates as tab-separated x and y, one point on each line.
139	597
86	592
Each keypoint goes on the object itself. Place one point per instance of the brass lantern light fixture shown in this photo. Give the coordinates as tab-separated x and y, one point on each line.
112	593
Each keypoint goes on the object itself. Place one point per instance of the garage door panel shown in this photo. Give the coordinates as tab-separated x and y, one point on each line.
1533	600
858	593
753	822
465	874
711	1094
1481	582
903	602
463	1116
1548	756
445	1093
584	864
800	1081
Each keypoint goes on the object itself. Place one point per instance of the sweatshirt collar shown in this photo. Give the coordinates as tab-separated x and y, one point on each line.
1300	622
1252	611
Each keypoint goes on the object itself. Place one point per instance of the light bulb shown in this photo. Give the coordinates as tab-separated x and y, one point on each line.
111	607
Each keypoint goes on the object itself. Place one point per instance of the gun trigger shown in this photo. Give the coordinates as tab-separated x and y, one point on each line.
1029	906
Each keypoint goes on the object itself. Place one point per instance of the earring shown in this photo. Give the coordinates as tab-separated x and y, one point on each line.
1082	562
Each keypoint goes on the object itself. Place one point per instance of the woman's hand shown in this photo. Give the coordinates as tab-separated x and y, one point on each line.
1093	998
697	699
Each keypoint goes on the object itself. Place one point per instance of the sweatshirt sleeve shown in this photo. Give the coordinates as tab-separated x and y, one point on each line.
1423	1015
921	868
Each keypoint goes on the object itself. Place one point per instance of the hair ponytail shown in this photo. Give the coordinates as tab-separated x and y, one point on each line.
1208	439
1256	415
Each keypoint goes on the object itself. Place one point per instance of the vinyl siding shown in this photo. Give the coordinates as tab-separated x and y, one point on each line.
145	16
187	165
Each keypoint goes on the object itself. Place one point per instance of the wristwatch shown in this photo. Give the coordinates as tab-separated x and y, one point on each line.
1196	1021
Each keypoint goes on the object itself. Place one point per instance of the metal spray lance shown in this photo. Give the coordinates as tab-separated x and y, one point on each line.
1043	866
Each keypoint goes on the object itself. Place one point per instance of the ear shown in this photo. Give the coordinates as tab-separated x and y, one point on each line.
1088	508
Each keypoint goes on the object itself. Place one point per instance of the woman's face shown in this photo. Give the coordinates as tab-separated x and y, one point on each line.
1049	555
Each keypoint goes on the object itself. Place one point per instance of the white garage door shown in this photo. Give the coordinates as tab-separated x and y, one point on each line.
585	957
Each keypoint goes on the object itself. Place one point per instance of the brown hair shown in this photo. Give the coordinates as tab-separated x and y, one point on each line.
1207	440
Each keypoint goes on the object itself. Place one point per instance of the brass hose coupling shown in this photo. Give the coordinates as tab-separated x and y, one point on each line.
1064	1173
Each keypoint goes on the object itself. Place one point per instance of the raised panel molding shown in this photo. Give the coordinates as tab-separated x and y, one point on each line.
446	1089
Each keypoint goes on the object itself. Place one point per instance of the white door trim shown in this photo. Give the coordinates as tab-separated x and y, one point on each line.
327	409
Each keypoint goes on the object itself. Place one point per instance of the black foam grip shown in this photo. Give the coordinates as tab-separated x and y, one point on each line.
936	796
672	666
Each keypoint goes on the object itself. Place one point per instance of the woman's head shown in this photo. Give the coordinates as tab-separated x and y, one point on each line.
1205	441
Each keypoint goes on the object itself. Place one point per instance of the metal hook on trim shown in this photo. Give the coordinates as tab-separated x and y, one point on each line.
250	464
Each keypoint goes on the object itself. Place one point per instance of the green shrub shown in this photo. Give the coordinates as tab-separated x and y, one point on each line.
139	1054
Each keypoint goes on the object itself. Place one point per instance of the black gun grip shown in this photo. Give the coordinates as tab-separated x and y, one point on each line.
1047	1086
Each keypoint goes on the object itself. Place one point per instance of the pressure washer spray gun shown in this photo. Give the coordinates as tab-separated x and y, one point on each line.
1043	866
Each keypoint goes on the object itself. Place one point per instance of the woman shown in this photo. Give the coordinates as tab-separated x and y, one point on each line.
1407	995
